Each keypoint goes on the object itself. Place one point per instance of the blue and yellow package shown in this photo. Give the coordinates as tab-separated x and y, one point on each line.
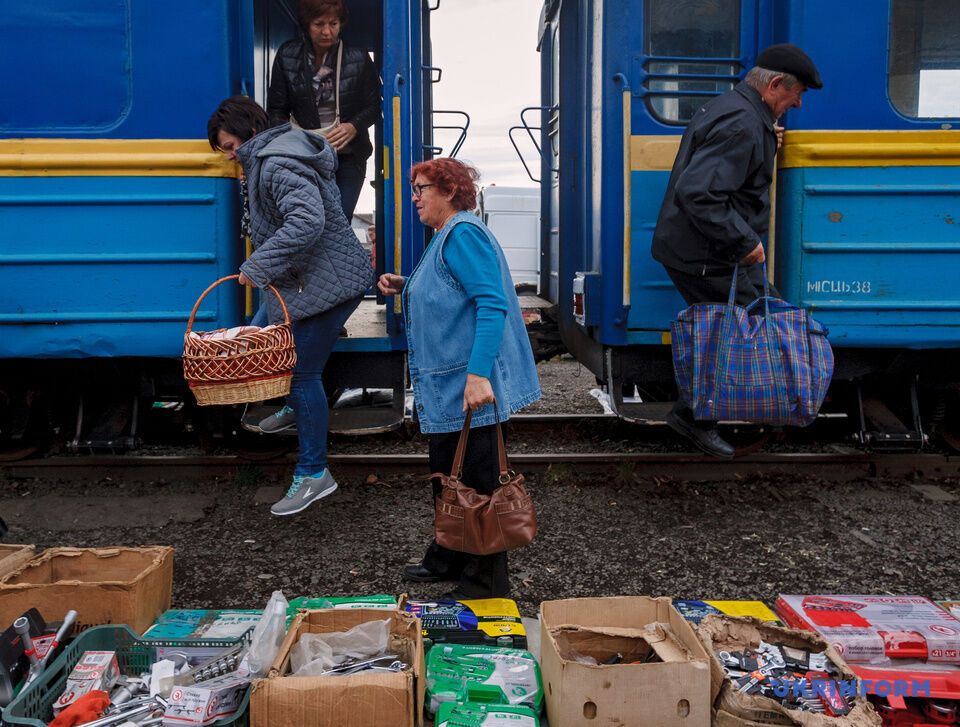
696	611
491	621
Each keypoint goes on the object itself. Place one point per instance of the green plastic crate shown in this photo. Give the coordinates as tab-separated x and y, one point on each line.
34	706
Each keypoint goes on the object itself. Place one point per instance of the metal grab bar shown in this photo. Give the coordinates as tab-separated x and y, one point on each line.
525	125
461	128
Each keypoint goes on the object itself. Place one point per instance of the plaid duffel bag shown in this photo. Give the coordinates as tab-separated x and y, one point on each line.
769	362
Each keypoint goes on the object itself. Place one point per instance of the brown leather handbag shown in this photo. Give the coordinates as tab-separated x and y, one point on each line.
478	524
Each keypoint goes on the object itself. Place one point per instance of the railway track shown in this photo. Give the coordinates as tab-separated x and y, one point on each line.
843	465
549	434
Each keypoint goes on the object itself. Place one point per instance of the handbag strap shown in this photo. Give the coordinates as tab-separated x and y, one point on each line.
456	471
336	88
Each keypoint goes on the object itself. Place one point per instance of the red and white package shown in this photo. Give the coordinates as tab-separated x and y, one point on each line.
877	629
95	670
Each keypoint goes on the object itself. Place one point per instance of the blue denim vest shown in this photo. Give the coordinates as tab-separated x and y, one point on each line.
440	323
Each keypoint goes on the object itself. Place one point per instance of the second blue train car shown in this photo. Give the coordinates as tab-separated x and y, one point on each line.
866	228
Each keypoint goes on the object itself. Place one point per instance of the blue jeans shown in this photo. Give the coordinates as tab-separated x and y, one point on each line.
314	339
350	175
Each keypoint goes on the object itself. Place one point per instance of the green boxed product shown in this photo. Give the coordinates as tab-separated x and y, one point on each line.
484	674
311	603
483	715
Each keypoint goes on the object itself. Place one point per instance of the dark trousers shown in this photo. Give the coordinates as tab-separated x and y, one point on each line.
716	289
481	576
351	172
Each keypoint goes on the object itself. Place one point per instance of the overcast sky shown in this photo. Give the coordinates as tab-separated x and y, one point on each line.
491	70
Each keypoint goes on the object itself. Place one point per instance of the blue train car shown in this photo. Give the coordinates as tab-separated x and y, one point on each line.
866	201
116	214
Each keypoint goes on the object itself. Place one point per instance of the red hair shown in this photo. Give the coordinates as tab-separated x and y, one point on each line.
451	175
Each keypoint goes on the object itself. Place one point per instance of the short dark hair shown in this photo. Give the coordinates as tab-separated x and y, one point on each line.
238	115
307	10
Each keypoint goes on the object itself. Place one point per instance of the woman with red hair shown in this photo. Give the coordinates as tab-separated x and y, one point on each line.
466	349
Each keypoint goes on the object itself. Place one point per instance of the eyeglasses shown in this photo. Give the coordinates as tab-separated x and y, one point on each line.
418	189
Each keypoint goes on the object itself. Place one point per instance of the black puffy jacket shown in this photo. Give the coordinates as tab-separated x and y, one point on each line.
291	92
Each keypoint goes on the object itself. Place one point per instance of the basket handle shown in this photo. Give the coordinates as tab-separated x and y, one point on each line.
196	307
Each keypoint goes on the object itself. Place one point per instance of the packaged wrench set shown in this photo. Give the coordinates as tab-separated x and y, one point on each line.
491	621
878	630
798	679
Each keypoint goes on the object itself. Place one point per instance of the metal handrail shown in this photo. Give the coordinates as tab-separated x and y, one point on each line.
516	148
463	130
525	125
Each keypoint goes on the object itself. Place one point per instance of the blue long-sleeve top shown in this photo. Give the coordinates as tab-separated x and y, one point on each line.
473	262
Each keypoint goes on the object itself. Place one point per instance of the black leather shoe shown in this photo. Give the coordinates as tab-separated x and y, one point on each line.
706	439
419	574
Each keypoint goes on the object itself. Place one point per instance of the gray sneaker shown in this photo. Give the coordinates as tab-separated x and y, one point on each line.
303	492
278	421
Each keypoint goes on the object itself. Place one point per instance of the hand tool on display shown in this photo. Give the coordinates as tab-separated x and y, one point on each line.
152	706
22	627
68	621
223	663
387	662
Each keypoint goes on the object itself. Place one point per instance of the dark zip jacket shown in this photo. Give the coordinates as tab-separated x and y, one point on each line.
291	92
717	204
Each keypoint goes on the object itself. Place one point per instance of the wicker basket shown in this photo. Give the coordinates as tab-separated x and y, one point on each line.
251	367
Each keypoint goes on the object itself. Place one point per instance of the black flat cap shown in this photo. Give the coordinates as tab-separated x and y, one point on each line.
787	58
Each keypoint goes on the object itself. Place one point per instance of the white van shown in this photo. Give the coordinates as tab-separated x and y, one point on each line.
513	215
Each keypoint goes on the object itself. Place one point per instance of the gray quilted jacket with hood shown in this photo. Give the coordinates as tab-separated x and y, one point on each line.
302	242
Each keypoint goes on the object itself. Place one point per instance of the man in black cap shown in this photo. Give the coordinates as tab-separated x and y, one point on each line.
717	205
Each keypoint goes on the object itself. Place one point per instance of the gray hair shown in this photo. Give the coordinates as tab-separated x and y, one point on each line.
760	78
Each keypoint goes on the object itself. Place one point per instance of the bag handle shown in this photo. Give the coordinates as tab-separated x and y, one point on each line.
773	352
456	471
733	283
196	307
336	88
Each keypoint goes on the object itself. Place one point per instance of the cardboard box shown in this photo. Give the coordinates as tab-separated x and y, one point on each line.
365	699
673	690
734	709
13	556
104	585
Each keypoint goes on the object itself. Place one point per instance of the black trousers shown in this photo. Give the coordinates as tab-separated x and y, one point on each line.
716	289
481	576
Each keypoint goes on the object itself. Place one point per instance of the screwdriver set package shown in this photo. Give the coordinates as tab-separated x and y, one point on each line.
488	674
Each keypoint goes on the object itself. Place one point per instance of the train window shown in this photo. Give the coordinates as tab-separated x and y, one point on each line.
74	57
924	75
691	47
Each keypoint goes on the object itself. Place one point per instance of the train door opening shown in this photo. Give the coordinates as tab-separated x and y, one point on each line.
365	376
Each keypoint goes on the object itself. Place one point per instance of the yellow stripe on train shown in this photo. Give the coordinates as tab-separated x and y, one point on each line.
112	158
935	148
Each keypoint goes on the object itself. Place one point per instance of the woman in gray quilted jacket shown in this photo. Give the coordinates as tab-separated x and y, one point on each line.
302	245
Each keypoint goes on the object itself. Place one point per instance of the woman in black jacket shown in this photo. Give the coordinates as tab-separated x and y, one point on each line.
325	86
